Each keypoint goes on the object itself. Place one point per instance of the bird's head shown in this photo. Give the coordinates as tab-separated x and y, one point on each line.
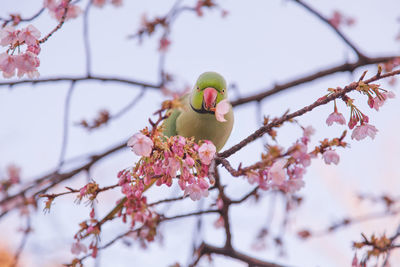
209	90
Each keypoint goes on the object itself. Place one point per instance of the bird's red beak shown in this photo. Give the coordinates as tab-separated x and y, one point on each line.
209	97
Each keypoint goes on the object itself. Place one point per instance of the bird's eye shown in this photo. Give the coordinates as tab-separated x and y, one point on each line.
223	90
198	88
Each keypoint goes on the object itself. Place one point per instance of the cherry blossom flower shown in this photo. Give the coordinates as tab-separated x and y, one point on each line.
57	8
7	65
293	185
308	131
27	63
13	173
355	262
172	166
330	156
8	36
207	153
34	49
164	44
277	172
219	222
29	35
253	177
99	3
300	153
378	102
335	117
198	7
221	109
196	192
338	19
364	130
77	248
116	3
141	144
189	161
297	172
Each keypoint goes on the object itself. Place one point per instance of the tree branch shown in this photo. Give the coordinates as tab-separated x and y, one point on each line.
206	249
80	79
311	77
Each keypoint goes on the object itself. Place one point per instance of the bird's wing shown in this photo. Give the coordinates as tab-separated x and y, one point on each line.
170	123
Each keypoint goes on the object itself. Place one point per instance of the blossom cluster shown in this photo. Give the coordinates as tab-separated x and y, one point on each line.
339	19
284	173
376	98
57	9
162	159
24	62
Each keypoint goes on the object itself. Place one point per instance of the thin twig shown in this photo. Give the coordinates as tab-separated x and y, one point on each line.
86	42
67	106
338	32
24	239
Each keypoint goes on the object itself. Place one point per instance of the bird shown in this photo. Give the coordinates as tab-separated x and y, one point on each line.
197	117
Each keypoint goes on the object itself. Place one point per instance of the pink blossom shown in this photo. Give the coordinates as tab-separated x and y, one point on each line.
336	19
253	177
8	36
221	109
13	173
300	154
196	192
34	49
293	185
354	262
378	102
198	7
364	130
173	165
277	172
220	203
164	44
308	131
77	248
29	35
83	191
99	3
207	153
57	9
219	222
141	144
330	156
7	65
297	172
335	117
27	63
189	161
116	3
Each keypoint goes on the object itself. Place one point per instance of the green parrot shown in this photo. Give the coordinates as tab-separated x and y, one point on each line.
197	117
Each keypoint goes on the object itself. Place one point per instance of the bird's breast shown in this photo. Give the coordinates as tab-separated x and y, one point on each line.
205	127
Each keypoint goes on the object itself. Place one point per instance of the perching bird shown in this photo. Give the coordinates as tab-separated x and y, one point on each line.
197	117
